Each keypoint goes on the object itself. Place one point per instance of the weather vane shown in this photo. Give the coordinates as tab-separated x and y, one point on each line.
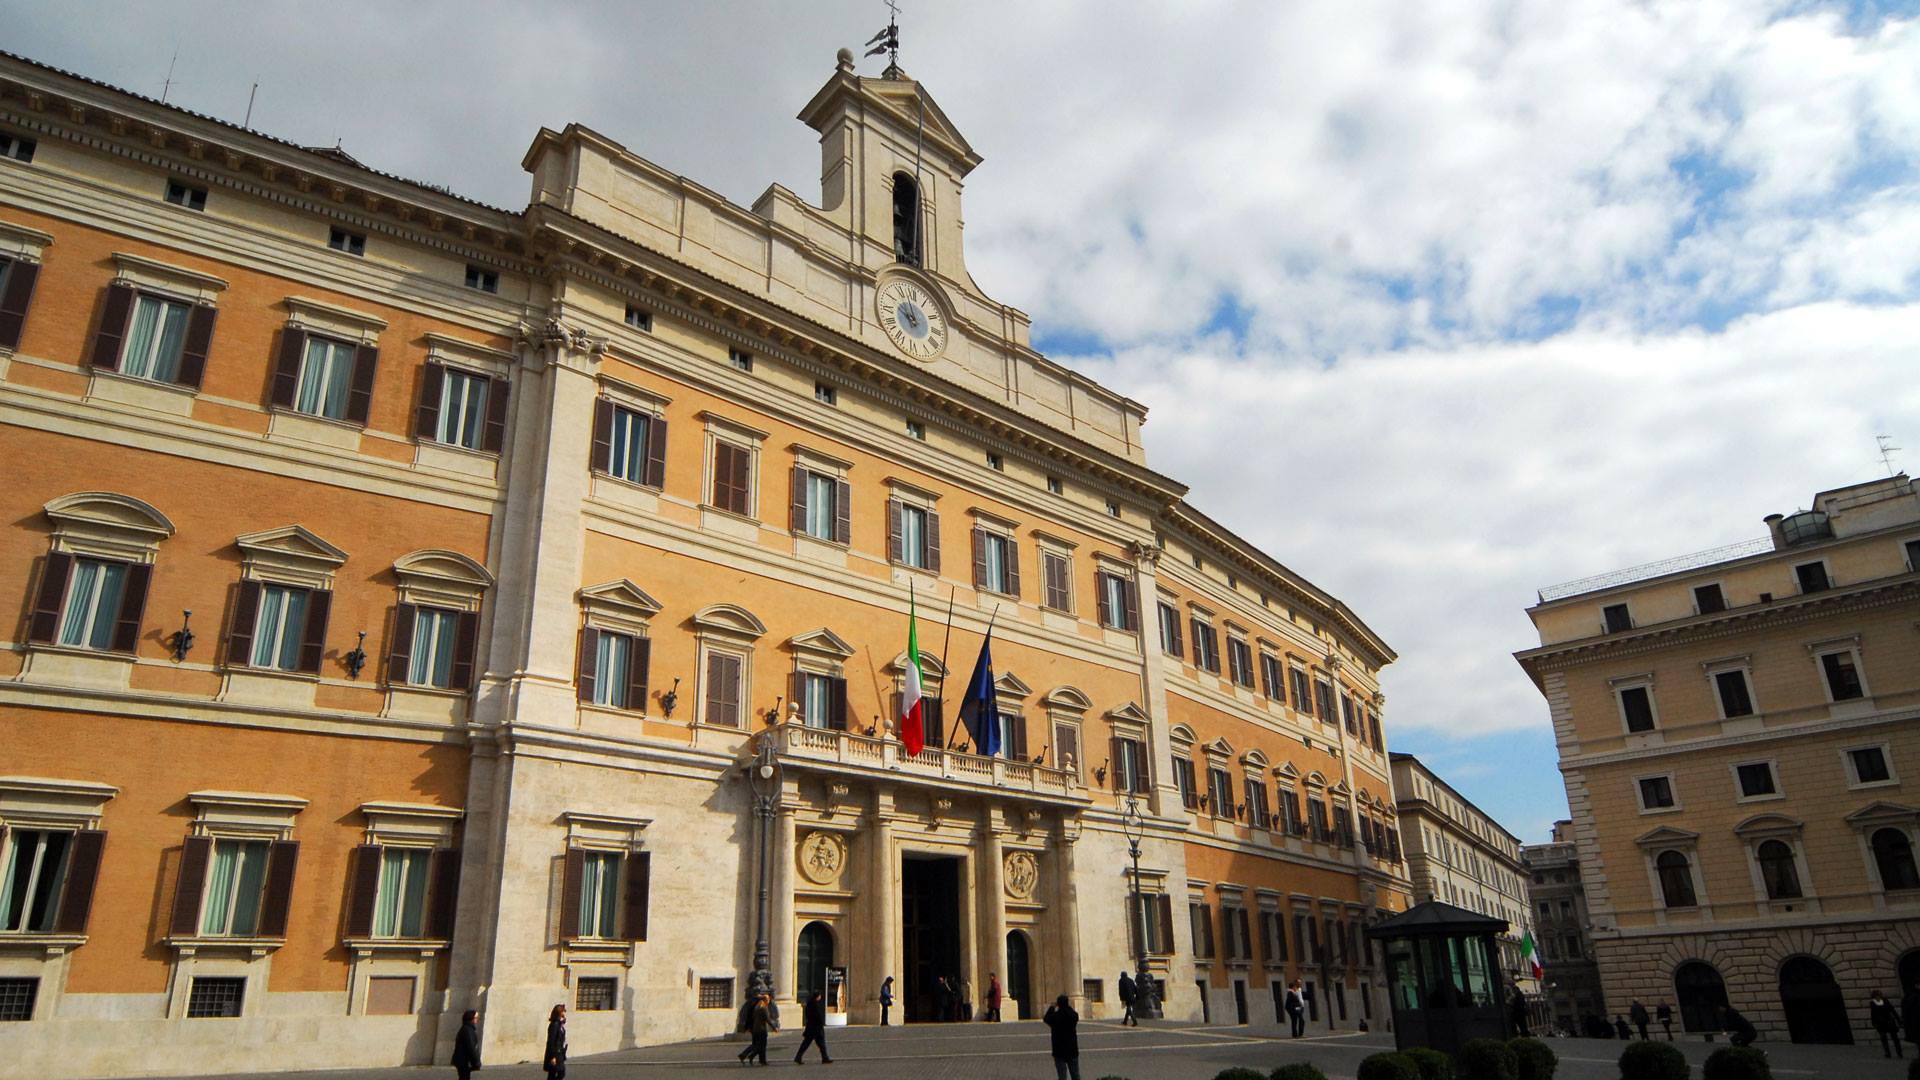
888	41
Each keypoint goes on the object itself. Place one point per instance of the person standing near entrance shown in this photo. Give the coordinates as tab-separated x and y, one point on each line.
993	997
1128	992
760	1024
1742	1032
466	1044
1887	1022
813	1029
1296	1009
1517	1011
1665	1014
966	999
1066	1038
942	1000
555	1057
886	998
1638	1014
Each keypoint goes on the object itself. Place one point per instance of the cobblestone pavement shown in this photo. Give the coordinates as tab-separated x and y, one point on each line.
1018	1051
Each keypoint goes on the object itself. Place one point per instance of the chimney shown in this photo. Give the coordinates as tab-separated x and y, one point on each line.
1773	529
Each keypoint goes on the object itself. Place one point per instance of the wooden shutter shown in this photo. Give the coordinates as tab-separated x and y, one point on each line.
742	482
113	326
494	436
1017	733
933	721
656	452
601	460
1100	594
633	920
1206	927
400	645
572	879
842	512
133	604
1013	567
1144	779
722	474
366	363
723	689
193	350
191	884
588	669
1165	904
837	704
313	637
14	299
1130	593
246	610
639	660
83	872
896	546
466	640
286	370
1114	760
282	857
933	542
797	503
426	417
1244	936
797	694
363	890
1266	935
44	626
445	900
979	558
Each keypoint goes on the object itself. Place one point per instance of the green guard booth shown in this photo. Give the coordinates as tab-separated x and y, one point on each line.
1443	976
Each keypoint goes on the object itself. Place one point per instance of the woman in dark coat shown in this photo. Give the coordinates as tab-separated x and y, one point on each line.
1886	1022
466	1044
813	1028
555	1057
1066	1038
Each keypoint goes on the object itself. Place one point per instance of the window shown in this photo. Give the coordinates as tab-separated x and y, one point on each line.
917	430
1257	813
155	339
1290	809
1323	700
352	243
1201	917
723	689
822	506
599	895
1708	599
1913	555
1735	700
1777	870
401	908
1868	765
1240	662
1113	508
1843	678
187	195
716	994
94	602
212	998
390	995
1183	779
1636	705
906	219
732	478
236	877
1219	793
1317	818
279	626
17	147
1676	879
822	700
325	373
639	318
1346	713
36	868
1273	680
1170	630
634	445
1812	577
1130	766
1055	486
17	994
1057	574
1206	647
1093	990
1755	780
1119	609
613	683
595	993
995	462
1893	855
740	360
463	408
1153	914
1302	696
483	279
995	563
914	538
1617	618
824	394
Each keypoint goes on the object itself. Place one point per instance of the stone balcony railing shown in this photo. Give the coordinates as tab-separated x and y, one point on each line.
799	744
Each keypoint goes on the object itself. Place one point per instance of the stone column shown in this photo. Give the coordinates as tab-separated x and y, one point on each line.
884	904
990	955
780	929
1066	907
1165	799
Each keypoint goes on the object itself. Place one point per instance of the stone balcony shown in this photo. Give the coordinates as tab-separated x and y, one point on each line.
872	757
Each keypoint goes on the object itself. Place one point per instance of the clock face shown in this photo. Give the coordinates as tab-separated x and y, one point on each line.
912	319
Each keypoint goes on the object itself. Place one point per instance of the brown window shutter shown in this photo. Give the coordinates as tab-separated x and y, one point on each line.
133	604
657	452
572	879
837	704
313	637
588	668
842	512
633	920
1166	922
1266	935
1206	924
933	721
638	664
246	609
83	872
979	558
400	645
797	504
1113	764
494	437
722	474
933	542
444	870
896	547
277	897
194	348
286	370
1179	647
363	890
602	458
742	482
1145	779
113	326
1018	730
426	417
13	302
466	640
44	627
366	363
1100	595
1013	567
1130	592
187	891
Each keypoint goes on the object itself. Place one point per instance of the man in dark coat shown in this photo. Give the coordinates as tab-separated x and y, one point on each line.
1127	993
1886	1021
942	1000
1638	1014
1620	1029
1743	1032
1665	1013
1296	1009
1517	1011
759	1024
1066	1038
554	1059
813	1028
886	999
466	1044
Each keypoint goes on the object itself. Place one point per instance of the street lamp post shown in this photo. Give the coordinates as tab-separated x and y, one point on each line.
763	774
1135	826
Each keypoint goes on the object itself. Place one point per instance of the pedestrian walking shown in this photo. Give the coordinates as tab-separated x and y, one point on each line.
760	1024
886	999
1640	1018
942	1000
466	1044
554	1059
966	999
1066	1038
1620	1029
1910	1012
1741	1033
1665	1013
994	993
813	1028
1296	1009
1886	1021
1517	1013
1127	994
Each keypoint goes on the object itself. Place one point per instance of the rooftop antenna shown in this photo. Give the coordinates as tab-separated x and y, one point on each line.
1886	452
888	41
248	122
167	87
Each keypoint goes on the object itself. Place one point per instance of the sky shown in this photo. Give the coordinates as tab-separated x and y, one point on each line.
1436	303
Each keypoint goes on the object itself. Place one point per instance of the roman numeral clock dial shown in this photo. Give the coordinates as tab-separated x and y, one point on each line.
912	319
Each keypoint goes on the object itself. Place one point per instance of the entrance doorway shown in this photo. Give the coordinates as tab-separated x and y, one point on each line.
1239	1001
1908	970
1702	994
812	959
1816	1010
1018	979
930	927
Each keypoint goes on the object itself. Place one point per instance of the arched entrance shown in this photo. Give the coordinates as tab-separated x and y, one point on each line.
812	959
1017	974
1701	994
1908	970
1816	1010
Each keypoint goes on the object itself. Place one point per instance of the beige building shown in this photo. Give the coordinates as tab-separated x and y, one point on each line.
1570	988
404	585
1736	731
1457	854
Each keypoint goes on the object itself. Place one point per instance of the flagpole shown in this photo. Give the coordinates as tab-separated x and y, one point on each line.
945	644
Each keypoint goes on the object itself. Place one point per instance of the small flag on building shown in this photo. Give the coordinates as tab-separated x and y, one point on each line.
1528	954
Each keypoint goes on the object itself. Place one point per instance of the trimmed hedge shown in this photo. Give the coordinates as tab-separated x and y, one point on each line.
1433	1064
1736	1063
1487	1059
1536	1059
1913	1070
1238	1072
1299	1070
1389	1066
1654	1061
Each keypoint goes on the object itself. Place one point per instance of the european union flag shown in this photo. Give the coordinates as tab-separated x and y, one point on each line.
980	710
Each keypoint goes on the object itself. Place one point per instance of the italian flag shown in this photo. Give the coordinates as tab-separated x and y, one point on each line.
912	732
1528	954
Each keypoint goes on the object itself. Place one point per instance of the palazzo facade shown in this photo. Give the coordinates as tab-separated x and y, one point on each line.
405	586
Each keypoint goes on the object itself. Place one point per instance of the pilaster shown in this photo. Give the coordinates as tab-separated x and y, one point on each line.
1066	907
1153	682
990	956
